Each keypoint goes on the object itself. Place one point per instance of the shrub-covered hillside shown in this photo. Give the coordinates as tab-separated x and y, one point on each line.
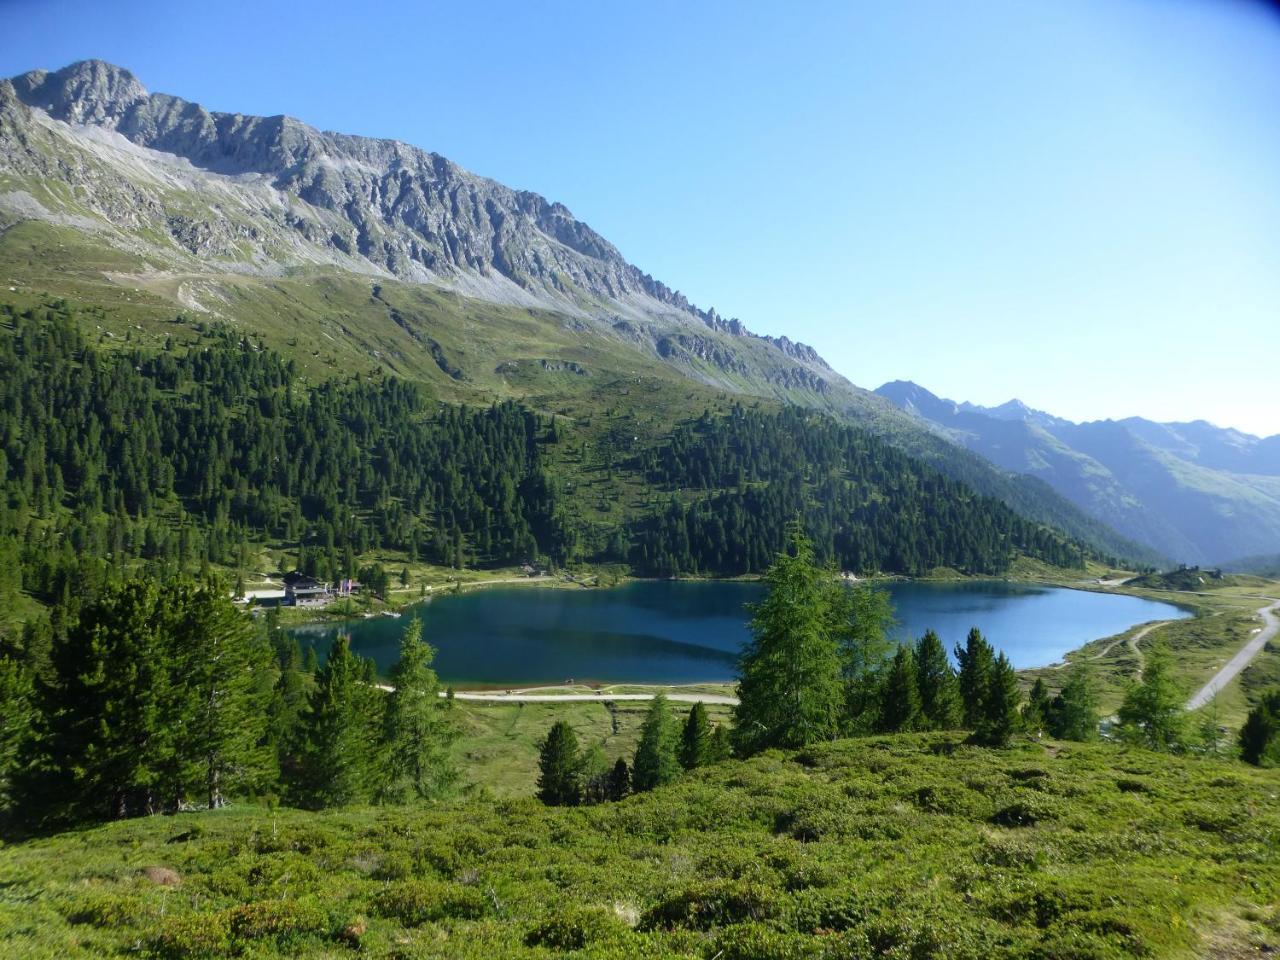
906	846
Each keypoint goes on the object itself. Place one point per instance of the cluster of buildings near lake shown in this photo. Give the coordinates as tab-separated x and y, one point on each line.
301	590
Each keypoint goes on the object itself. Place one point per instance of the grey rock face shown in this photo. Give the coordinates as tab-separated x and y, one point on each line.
414	214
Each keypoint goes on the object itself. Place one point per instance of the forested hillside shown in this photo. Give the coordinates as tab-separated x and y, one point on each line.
866	505
185	457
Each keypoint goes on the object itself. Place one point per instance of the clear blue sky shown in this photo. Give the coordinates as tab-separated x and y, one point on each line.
1075	202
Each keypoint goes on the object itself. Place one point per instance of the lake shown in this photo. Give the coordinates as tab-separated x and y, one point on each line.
690	632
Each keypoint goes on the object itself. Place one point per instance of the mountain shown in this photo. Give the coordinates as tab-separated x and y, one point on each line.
353	254
1193	491
190	189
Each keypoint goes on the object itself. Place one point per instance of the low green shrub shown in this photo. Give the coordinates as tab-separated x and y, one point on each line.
111	910
415	902
191	936
574	927
757	941
276	919
705	905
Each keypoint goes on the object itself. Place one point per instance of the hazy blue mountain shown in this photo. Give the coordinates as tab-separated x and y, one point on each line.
1192	491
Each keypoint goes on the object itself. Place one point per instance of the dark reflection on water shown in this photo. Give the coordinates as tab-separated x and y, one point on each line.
670	632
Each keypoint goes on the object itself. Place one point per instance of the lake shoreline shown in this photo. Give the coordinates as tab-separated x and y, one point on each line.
665	633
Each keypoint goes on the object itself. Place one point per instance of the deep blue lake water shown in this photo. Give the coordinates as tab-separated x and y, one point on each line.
688	632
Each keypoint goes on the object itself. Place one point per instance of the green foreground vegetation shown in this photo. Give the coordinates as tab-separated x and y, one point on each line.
905	846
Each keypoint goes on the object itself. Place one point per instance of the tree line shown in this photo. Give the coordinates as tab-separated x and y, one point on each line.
568	775
164	697
868	507
181	459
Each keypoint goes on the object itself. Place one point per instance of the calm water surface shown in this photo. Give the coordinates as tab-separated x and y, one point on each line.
673	632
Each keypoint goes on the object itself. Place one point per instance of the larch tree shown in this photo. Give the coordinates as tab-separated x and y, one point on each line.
1151	714
418	731
791	686
1035	716
225	661
864	620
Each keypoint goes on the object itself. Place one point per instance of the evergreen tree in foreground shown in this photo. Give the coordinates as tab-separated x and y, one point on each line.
940	707
16	696
155	699
340	734
225	664
619	780
696	746
900	695
1000	717
865	618
558	766
657	755
1039	707
1151	714
418	732
721	746
790	687
1073	714
977	660
1260	735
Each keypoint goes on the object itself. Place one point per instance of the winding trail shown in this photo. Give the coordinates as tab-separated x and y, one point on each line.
1271	626
1132	643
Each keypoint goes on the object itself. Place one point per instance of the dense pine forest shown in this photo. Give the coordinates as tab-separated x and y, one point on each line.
178	460
867	506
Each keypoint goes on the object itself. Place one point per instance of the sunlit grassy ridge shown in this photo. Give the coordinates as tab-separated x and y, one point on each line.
906	846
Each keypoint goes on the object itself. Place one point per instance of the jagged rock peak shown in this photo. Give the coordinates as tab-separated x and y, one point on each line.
90	91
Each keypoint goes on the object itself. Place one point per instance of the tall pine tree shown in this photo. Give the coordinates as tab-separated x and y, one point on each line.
940	707
341	732
418	732
976	659
1000	702
790	687
1073	713
900	694
657	755
695	746
559	767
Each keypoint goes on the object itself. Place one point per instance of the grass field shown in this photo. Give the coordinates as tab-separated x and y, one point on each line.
906	847
498	749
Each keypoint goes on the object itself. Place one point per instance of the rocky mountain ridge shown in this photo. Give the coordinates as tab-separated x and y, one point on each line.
308	196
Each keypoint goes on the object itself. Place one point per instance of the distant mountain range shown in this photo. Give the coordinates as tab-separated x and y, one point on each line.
1195	492
349	253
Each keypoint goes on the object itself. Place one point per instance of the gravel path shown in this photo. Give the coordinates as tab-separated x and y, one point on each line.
1241	659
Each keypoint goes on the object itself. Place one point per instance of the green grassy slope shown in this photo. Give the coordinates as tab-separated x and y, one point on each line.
910	846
